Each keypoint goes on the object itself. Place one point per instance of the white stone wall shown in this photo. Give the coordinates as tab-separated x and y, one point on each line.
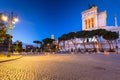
99	18
87	15
99	22
102	19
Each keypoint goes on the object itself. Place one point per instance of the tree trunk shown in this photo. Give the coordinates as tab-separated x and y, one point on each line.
109	44
116	46
93	44
74	45
68	45
99	44
112	45
86	50
64	45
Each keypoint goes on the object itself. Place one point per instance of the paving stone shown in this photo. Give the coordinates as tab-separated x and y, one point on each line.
62	67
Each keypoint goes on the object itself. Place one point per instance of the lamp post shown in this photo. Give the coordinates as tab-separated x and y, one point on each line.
10	21
17	46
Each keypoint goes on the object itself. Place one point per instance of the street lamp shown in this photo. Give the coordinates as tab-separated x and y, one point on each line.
4	18
10	21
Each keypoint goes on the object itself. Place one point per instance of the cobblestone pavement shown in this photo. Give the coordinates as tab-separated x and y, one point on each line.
62	67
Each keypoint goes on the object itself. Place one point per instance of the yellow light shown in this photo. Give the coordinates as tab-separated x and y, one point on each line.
4	18
106	53
13	22
16	20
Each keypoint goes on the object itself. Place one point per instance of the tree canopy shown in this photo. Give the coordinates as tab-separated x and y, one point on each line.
47	41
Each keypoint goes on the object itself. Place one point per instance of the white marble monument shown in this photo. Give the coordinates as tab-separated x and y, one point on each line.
93	19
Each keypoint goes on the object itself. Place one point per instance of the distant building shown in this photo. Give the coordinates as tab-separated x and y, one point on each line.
52	36
29	48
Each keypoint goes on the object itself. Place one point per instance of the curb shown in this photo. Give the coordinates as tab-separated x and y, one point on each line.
10	59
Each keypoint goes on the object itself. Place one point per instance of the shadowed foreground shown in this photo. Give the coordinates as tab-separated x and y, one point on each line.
62	67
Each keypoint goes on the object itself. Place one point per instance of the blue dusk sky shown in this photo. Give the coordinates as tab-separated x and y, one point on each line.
38	19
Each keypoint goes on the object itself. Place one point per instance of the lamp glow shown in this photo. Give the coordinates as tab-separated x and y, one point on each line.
16	20
4	18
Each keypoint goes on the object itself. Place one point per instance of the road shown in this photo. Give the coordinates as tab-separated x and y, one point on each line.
62	67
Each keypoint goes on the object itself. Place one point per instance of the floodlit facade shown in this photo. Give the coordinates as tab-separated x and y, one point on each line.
92	19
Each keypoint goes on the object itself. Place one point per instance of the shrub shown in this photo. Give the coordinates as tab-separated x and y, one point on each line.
79	50
72	50
101	50
111	50
94	50
86	50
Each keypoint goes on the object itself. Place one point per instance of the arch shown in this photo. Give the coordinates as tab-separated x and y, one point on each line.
92	20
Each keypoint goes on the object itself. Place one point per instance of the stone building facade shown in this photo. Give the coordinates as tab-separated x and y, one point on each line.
92	19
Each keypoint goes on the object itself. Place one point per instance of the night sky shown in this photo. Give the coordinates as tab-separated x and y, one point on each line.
38	19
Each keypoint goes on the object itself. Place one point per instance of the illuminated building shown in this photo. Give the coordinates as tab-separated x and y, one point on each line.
92	19
52	36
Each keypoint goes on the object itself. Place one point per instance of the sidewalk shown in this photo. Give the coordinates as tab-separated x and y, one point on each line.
5	58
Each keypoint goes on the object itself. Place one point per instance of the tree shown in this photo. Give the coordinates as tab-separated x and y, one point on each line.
62	39
47	42
109	37
17	46
37	42
3	29
98	34
90	35
3	34
71	36
83	36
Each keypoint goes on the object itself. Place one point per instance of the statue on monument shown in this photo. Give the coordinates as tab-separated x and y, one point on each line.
91	5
